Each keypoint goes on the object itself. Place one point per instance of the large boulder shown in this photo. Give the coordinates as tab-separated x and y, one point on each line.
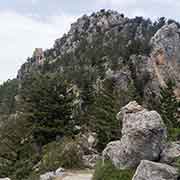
171	152
148	170
143	137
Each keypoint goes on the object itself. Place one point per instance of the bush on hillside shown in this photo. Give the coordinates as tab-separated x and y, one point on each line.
66	154
106	171
174	134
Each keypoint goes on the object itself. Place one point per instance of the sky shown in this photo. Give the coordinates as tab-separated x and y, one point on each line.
29	24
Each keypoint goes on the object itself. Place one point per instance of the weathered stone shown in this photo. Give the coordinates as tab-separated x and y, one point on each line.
59	171
167	38
148	170
90	160
136	118
170	153
48	176
87	142
53	174
143	136
165	54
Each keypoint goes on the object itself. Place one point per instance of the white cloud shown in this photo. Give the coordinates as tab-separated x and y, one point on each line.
34	1
150	8
19	35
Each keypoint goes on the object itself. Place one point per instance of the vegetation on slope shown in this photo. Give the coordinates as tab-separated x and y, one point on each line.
106	171
38	112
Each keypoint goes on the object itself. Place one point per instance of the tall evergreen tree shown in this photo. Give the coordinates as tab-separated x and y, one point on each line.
102	118
8	91
169	105
49	104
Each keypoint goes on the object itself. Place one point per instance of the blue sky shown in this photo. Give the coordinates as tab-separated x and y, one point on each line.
27	24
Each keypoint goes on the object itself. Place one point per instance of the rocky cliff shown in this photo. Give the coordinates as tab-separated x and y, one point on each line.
62	111
108	45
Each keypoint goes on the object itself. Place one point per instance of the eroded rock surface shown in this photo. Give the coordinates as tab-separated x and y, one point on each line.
143	136
148	170
171	152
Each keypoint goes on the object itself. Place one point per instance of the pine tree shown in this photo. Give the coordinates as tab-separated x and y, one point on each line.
49	105
169	105
8	91
102	118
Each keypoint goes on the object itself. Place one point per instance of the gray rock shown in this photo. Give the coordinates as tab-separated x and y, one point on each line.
90	160
148	170
48	176
59	171
165	54
167	38
87	142
5	179
136	118
53	174
143	137
170	153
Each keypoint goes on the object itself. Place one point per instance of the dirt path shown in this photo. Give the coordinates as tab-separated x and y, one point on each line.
77	175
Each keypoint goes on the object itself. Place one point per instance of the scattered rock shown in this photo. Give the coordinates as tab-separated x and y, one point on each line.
148	170
53	174
143	137
87	142
90	160
59	171
48	176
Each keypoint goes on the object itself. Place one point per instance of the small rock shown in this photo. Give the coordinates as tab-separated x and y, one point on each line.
48	176
90	160
59	171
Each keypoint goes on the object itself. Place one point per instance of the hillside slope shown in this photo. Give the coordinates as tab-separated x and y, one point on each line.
61	109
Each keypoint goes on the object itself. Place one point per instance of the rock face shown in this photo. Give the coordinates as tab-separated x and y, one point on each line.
148	71
143	135
165	54
170	152
148	170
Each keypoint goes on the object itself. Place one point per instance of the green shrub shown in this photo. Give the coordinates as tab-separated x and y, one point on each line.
177	164
66	154
106	171
174	134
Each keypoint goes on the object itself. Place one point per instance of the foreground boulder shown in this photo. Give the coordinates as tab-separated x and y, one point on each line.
148	170
170	153
143	136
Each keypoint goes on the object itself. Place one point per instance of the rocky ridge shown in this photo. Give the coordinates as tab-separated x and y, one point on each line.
154	61
130	53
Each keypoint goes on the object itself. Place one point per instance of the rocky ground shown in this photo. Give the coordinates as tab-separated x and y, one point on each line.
76	175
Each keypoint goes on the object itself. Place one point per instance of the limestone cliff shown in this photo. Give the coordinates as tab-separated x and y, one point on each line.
108	45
